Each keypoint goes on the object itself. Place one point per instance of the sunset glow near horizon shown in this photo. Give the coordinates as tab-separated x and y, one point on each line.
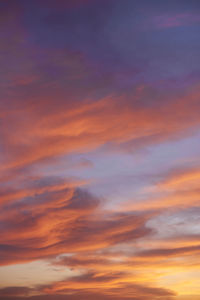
100	150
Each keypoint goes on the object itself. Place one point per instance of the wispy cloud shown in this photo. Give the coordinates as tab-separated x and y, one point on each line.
97	101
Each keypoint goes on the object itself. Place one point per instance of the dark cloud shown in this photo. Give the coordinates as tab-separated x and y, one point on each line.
86	296
14	292
170	252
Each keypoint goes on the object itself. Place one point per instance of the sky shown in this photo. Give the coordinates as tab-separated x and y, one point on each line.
99	150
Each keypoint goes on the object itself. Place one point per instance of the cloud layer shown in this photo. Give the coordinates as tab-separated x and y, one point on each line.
99	149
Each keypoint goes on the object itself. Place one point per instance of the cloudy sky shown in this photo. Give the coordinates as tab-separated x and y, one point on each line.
99	149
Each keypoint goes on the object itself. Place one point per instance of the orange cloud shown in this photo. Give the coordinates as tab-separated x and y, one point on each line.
62	219
110	284
179	189
85	126
54	102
